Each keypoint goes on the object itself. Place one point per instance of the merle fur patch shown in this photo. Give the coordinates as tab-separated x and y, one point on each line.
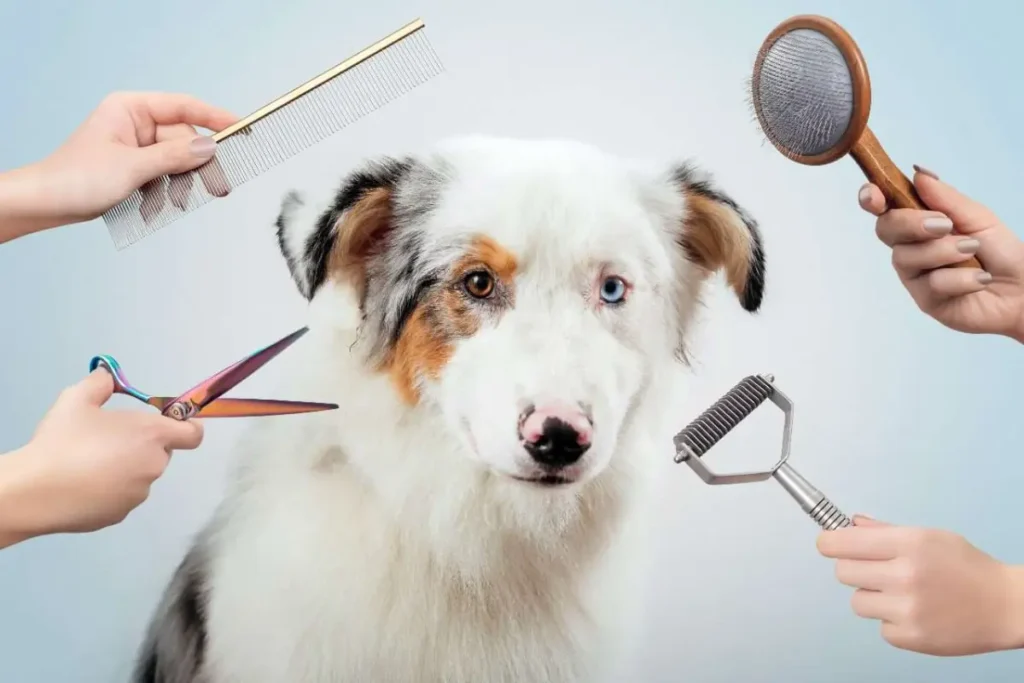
175	645
401	268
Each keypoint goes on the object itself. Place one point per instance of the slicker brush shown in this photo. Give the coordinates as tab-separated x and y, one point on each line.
811	94
725	415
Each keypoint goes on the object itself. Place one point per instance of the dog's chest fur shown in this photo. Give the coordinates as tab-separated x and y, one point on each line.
352	594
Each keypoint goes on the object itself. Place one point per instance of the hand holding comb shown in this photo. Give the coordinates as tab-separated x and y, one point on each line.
812	96
293	122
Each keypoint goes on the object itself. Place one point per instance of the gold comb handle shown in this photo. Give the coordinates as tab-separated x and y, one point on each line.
317	81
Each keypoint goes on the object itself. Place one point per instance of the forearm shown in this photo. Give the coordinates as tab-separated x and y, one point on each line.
24	202
18	501
1014	626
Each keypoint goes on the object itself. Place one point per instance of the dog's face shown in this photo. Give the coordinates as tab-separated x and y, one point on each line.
524	291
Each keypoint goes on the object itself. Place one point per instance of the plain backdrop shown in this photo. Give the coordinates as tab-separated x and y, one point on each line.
896	416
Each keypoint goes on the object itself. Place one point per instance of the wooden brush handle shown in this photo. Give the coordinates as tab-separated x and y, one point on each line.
897	188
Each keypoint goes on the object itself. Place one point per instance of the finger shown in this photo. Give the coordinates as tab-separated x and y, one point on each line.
860	543
904	637
153	199
869	604
180	184
968	215
910	260
96	389
871	200
182	435
864	520
910	226
948	283
175	132
164	109
863	574
214	180
157	461
171	156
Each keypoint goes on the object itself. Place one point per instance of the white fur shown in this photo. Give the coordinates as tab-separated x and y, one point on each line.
383	543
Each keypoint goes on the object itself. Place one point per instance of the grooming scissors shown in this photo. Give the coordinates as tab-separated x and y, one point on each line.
204	400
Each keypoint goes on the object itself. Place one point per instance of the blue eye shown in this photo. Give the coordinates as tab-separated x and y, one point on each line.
613	290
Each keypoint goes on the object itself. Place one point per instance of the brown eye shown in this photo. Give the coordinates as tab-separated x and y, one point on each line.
479	284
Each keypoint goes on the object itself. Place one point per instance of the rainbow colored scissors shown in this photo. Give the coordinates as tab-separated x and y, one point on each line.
204	400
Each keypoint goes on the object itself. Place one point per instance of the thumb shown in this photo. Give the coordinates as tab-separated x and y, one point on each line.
865	521
967	215
176	155
96	389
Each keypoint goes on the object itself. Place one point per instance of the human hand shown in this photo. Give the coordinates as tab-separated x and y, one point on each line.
954	229
933	591
86	468
129	142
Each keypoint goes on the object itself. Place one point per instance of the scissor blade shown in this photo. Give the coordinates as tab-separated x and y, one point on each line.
248	407
215	387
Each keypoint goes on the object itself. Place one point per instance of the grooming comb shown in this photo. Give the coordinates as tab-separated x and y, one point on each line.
811	94
721	418
293	122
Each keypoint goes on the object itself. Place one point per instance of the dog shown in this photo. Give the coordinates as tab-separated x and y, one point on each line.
495	317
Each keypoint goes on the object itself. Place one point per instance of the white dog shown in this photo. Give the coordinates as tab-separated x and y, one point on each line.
495	319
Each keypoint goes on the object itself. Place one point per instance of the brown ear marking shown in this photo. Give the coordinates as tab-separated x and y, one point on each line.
359	210
719	235
359	234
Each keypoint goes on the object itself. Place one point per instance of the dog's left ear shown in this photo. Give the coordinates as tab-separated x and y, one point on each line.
339	239
717	234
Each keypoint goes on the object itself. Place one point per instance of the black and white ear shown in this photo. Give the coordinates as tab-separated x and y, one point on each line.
321	242
718	235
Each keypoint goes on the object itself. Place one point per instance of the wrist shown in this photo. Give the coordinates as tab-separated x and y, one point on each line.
1018	333
1013	637
25	202
23	503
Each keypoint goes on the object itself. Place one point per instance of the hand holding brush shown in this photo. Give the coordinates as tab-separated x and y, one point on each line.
952	229
811	94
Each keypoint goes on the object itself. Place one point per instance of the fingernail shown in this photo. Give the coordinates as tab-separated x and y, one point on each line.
984	278
864	517
924	171
203	146
938	225
864	196
968	246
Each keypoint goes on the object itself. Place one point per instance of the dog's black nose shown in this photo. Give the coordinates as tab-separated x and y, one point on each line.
558	444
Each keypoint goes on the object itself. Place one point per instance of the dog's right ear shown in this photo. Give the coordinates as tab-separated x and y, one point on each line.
337	241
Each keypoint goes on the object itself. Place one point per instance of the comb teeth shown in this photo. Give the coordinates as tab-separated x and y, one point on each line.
275	137
721	418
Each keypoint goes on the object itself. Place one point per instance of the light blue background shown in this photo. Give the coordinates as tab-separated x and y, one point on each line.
897	416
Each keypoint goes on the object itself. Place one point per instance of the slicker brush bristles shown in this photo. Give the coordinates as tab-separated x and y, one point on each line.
810	92
803	92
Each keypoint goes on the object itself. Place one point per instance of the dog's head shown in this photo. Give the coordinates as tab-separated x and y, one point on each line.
525	291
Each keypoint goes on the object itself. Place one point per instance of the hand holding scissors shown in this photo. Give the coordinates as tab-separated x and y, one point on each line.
87	467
